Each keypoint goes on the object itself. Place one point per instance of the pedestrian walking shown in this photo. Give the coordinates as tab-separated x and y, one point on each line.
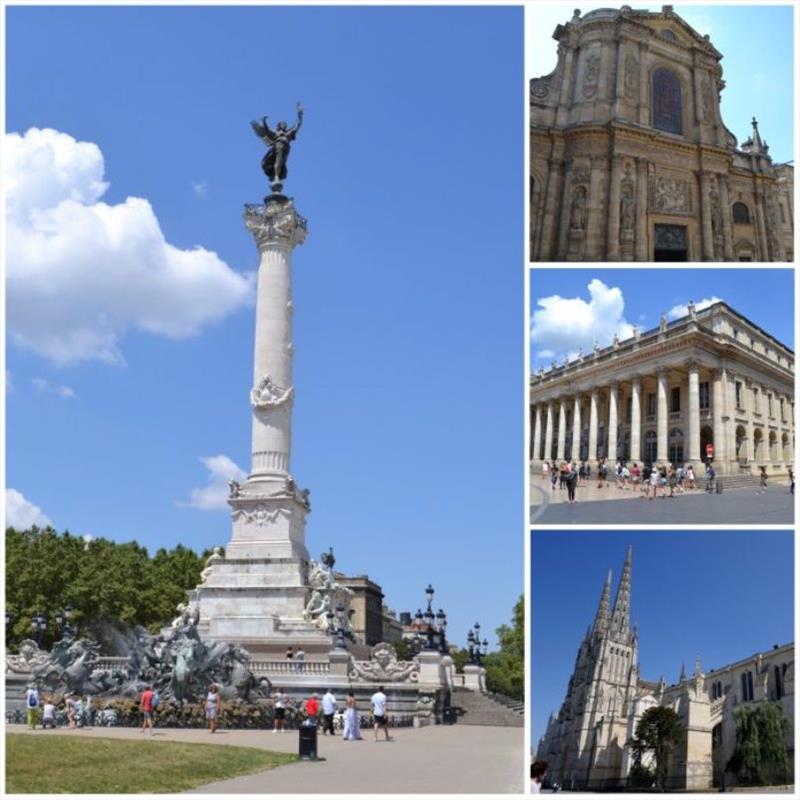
312	709
352	728
653	484
545	471
636	477
572	483
791	481
290	653
280	700
763	480
379	713
582	472
32	704
601	473
146	709
299	658
710	476
328	711
213	706
690	478
553	477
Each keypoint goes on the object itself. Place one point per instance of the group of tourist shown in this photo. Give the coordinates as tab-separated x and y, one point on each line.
78	709
296	657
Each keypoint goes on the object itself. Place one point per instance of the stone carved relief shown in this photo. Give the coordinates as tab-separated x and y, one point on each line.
672	196
28	659
577	213
384	666
276	222
216	555
539	89
581	175
591	75
630	80
260	515
269	395
707	96
326	594
627	211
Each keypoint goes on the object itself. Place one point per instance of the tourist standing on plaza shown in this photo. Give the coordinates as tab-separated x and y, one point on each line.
553	476
653	484
763	480
791	481
312	709
379	713
299	658
48	713
69	703
572	483
32	703
545	471
636	477
213	704
352	728
328	710
279	698
146	709
538	770
710	475
582	472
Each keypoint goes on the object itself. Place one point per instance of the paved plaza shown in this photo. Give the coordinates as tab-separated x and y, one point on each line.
437	759
610	505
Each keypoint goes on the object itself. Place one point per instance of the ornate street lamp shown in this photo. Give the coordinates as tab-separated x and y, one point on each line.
64	622
441	621
9	623
474	646
38	627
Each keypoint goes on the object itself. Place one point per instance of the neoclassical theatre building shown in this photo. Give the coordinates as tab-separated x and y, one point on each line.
586	741
710	385
630	159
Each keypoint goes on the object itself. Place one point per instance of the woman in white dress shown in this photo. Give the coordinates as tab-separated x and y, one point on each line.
352	728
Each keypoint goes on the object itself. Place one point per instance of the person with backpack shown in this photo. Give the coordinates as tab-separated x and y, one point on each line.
32	704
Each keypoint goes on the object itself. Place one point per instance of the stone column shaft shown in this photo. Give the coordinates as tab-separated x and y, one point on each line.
576	429
761	229
612	423
641	210
717	414
694	413
548	433
636	420
562	429
612	231
727	224
537	432
705	206
662	419
592	455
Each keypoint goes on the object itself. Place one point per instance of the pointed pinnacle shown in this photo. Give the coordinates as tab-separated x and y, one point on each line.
601	617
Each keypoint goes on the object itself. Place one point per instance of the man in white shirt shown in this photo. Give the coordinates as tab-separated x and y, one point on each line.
48	714
328	710
280	700
379	713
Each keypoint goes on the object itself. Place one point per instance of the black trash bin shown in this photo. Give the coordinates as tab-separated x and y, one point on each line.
719	486
308	742
449	716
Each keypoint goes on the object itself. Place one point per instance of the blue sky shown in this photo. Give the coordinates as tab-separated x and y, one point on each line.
130	360
602	302
756	44
722	595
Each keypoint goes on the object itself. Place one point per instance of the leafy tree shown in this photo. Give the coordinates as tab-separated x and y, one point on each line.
658	732
460	658
404	650
111	586
505	669
760	756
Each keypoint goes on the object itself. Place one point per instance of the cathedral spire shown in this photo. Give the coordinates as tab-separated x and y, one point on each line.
621	617
683	672
601	617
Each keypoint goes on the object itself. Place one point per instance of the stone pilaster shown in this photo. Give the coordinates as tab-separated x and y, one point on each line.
641	210
721	453
592	455
548	433
727	224
576	428
662	418
537	432
612	232
562	429
636	419
613	422
705	215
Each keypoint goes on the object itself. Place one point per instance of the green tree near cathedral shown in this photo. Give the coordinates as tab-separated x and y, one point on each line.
659	732
505	668
760	756
111	586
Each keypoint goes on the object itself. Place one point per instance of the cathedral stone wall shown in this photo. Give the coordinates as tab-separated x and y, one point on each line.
630	158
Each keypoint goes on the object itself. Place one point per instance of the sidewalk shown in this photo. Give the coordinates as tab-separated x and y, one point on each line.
438	759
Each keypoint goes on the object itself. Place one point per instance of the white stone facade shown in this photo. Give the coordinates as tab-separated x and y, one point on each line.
711	378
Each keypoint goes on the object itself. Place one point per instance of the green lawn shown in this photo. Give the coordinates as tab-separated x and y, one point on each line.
67	764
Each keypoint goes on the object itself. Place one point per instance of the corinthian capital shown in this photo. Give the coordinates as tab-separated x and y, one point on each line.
275	223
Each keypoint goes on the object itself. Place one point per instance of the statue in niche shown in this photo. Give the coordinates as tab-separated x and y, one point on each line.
630	86
627	209
577	214
716	215
279	143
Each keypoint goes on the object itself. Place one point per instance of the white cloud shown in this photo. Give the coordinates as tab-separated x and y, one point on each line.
214	496
22	514
81	272
200	188
676	312
45	387
562	325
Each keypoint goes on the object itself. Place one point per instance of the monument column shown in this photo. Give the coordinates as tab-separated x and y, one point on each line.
537	432
612	423
562	429
636	419
592	455
548	433
694	411
662	451
576	429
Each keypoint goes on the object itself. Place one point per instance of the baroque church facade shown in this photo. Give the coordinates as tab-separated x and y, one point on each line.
586	742
709	386
631	160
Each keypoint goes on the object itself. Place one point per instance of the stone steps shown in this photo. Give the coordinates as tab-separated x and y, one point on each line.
474	708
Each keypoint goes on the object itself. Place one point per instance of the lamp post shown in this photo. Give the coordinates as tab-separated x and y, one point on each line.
64	622
435	624
9	623
441	619
475	647
38	627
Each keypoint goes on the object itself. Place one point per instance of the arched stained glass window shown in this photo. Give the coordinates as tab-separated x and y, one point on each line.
667	101
741	214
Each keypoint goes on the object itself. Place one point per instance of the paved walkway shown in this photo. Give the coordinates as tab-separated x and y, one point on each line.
437	759
739	507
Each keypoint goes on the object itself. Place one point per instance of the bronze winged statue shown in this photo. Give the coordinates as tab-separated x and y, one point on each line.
279	143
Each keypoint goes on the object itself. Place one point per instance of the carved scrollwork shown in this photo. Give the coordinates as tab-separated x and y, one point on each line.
384	666
539	89
260	515
591	75
28	659
276	222
269	395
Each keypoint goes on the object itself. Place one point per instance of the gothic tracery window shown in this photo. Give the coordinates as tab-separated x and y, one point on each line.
667	101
